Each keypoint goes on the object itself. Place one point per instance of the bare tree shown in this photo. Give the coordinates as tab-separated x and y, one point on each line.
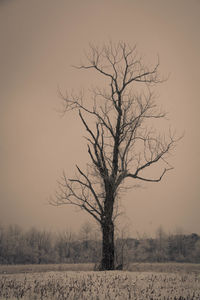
162	245
121	142
121	249
86	232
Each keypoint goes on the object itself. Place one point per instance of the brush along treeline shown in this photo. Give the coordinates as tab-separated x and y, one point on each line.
34	246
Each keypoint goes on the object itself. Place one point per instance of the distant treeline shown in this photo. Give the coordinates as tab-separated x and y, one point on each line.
38	247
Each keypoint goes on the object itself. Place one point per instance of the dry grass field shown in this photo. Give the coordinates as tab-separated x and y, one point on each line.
158	281
35	268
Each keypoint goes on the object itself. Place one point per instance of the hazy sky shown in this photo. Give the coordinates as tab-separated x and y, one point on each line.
39	41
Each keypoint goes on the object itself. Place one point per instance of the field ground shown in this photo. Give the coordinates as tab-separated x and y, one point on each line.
133	267
148	281
11	269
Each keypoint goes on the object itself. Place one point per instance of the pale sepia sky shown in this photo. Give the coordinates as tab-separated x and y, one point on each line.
39	41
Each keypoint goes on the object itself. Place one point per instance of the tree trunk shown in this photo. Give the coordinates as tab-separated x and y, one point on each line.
107	262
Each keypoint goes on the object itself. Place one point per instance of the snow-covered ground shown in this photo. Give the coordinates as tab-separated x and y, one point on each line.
117	285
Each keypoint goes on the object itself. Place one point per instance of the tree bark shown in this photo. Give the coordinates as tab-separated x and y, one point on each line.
107	227
107	262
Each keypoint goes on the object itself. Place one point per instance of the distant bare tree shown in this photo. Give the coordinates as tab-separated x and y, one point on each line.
121	249
64	241
86	232
162	245
121	143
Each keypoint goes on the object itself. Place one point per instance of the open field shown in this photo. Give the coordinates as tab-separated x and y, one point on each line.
152	281
133	267
92	285
33	268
